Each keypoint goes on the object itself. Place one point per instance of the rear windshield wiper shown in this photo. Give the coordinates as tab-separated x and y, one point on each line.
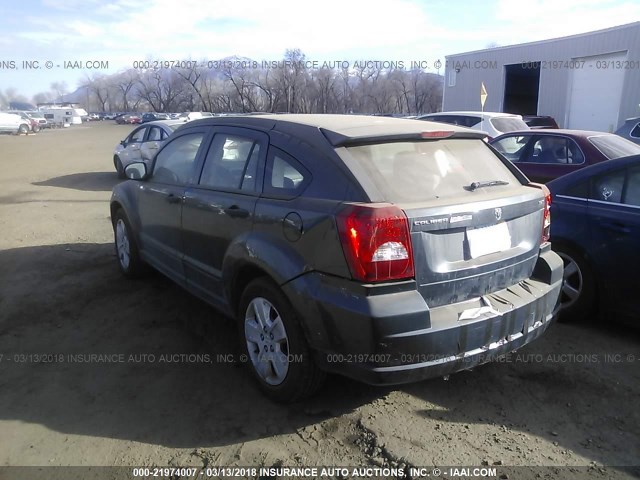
488	183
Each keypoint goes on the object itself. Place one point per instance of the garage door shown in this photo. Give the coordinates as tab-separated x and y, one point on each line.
595	93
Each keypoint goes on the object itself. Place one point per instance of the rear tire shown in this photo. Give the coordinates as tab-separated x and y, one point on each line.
127	253
274	345
578	292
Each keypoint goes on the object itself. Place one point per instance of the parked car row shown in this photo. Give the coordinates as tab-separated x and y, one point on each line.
594	179
18	123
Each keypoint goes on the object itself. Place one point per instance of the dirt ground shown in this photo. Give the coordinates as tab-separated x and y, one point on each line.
163	391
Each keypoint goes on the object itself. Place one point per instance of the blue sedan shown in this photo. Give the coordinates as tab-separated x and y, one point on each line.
595	228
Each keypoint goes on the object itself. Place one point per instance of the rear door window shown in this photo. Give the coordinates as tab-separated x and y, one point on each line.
620	186
551	149
416	171
155	134
608	187
231	163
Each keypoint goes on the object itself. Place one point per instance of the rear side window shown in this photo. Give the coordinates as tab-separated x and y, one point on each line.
632	193
508	124
468	121
416	171
635	133
284	175
231	163
614	146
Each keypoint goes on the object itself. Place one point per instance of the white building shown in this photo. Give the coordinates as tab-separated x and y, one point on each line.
587	81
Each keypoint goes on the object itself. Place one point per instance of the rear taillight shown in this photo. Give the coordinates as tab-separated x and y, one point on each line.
376	242
546	217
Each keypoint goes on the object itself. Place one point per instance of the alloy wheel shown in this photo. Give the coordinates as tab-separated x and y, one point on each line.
122	244
267	342
572	281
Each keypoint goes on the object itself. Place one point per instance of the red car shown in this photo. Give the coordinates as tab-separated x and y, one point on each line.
543	155
133	119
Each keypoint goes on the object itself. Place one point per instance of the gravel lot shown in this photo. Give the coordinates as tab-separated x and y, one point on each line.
162	394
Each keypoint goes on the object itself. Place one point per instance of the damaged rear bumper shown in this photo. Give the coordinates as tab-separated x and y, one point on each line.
388	335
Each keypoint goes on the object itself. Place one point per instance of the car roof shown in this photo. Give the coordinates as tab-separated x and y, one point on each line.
342	129
555	131
166	123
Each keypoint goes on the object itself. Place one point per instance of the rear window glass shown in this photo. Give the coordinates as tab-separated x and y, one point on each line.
541	122
614	146
508	124
416	171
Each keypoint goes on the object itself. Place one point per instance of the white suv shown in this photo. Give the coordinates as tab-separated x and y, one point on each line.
12	123
493	123
189	116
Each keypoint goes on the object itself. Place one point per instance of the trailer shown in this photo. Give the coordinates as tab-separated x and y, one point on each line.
61	116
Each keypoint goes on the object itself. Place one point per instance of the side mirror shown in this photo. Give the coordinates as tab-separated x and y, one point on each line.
123	143
136	171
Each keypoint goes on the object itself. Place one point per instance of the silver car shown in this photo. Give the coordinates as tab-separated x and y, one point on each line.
143	143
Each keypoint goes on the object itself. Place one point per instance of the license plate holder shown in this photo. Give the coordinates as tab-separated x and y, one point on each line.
486	240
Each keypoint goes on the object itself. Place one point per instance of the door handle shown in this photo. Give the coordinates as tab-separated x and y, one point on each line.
616	227
236	212
171	198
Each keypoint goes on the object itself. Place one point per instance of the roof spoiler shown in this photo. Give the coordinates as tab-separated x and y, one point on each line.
340	140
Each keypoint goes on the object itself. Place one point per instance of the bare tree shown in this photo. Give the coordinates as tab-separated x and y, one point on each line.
99	89
286	85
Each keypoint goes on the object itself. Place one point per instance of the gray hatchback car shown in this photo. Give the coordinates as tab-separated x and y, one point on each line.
387	250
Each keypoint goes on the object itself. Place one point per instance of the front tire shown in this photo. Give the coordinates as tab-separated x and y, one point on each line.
23	129
127	253
274	344
119	167
578	291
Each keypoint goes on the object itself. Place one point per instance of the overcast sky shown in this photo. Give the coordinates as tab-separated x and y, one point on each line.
123	31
